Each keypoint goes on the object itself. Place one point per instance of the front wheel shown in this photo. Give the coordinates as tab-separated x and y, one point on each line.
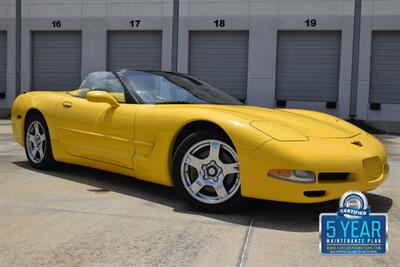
37	143
206	171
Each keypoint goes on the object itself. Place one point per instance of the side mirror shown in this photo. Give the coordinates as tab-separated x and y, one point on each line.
101	97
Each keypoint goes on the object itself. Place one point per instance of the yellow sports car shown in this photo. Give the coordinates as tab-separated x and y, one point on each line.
176	130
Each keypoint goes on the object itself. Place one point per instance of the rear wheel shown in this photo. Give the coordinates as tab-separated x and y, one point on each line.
206	171
37	143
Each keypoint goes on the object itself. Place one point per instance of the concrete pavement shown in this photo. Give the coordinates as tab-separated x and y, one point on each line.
79	216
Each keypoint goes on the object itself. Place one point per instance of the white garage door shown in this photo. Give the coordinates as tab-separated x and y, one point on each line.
385	68
138	50
56	60
3	63
307	67
220	59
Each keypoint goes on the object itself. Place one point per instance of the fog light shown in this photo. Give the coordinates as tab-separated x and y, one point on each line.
299	176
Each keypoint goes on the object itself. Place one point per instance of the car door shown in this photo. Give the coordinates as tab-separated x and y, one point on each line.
97	131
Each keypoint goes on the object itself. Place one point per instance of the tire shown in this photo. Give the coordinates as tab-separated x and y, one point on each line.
209	181
37	143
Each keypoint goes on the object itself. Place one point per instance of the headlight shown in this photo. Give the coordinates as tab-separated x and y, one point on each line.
278	131
299	176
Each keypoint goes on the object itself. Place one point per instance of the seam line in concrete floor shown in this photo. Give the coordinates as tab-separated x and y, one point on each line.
118	215
245	242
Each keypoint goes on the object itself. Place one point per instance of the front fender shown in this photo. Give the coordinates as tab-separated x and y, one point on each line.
157	127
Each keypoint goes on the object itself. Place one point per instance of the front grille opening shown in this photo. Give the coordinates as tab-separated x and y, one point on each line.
332	176
319	193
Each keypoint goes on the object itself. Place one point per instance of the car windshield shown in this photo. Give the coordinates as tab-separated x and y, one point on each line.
166	88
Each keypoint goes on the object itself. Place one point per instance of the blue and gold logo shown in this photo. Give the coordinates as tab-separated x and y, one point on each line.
353	205
353	229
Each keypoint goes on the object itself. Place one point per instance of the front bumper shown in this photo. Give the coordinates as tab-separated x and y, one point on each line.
367	167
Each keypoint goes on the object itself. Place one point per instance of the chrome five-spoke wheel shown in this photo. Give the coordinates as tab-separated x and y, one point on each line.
210	171
36	141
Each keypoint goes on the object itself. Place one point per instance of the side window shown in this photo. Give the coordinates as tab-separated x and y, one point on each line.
103	81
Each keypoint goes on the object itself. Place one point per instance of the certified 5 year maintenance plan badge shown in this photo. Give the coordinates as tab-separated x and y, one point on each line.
353	229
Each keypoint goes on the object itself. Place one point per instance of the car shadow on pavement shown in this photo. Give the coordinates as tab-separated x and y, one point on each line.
264	214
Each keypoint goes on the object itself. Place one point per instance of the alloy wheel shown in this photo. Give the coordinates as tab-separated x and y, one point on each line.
210	171
36	141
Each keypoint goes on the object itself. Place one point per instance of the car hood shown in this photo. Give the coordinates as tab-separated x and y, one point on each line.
288	124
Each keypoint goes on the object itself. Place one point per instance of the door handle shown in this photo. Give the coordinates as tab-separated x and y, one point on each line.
66	104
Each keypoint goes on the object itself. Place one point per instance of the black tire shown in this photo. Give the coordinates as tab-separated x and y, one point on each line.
191	140
47	161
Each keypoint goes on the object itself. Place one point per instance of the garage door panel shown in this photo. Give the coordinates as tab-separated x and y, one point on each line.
220	59
385	67
384	74
56	60
293	69
134	50
3	62
327	47
307	67
309	80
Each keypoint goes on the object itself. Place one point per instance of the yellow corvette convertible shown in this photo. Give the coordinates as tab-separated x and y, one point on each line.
176	130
